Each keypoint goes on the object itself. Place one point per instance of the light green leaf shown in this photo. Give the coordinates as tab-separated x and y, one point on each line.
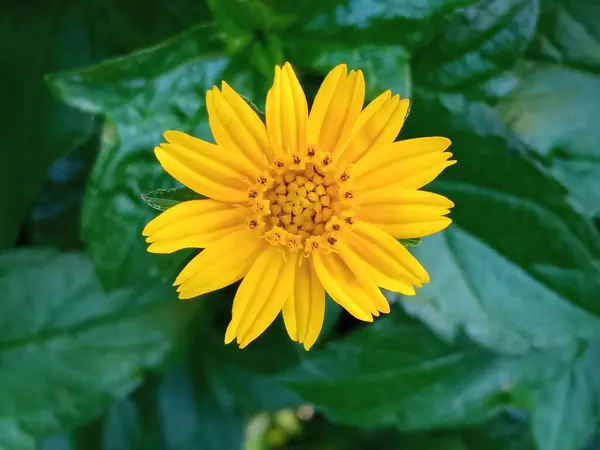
67	348
517	268
398	374
163	199
142	95
553	111
565	412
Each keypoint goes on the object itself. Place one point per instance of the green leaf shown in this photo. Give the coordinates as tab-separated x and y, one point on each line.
193	417
475	49
248	379
551	110
357	22
36	129
518	267
117	28
163	199
568	33
394	374
142	95
126	426
86	347
364	34
55	215
411	242
565	412
385	66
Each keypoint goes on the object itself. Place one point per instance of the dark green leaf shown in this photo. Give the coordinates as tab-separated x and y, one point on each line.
163	199
36	129
517	268
116	28
40	37
248	379
552	111
123	428
568	33
565	412
392	374
143	95
67	349
192	417
55	215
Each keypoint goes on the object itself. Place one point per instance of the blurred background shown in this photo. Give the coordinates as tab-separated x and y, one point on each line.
500	351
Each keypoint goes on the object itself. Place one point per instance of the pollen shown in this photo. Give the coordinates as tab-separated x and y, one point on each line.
304	202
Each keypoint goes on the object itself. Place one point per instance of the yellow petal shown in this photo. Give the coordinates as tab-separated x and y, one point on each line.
304	311
193	224
343	286
342	112
220	264
385	255
361	262
192	147
378	124
386	196
261	295
322	101
404	164
286	112
405	213
235	126
206	168
421	177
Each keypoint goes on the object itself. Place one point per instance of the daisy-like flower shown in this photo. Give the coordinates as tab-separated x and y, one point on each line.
308	203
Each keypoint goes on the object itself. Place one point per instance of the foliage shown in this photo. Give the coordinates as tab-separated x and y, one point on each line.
500	351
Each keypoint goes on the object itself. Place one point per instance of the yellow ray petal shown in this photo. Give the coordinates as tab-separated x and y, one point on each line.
193	224
387	270
304	311
220	264
343	286
322	101
405	164
342	112
385	254
385	196
415	229
261	295
195	149
286	112
235	126
361	262
420	177
405	213
378	124
214	177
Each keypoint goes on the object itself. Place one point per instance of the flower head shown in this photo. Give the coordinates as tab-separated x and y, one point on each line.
308	203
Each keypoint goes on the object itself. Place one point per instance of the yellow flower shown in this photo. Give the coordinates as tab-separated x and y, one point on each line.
306	204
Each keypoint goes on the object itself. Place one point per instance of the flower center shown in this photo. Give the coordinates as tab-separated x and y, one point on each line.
302	202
